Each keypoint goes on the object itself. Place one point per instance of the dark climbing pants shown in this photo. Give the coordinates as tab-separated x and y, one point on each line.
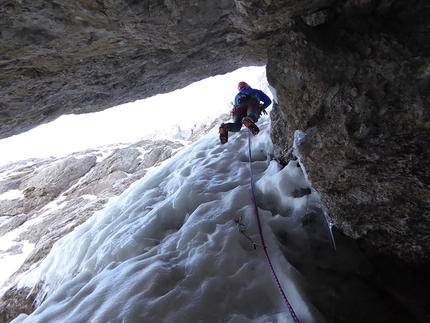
252	111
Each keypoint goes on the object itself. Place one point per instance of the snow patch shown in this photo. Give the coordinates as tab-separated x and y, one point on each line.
89	197
12	195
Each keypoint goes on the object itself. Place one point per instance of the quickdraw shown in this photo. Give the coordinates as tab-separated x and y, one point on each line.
241	228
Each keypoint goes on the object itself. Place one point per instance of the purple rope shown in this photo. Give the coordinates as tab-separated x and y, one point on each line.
260	231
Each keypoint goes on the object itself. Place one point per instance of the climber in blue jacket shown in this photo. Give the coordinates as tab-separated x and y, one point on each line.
247	111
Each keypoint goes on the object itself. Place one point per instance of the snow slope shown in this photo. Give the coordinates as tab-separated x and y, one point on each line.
168	250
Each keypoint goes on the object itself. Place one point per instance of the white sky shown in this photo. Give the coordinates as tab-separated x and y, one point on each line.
168	250
129	122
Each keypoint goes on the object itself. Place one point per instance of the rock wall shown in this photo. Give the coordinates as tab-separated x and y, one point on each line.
358	86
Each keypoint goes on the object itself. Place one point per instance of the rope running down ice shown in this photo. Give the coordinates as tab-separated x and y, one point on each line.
260	231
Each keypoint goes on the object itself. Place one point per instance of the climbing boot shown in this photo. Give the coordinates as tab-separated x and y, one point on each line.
249	123
223	133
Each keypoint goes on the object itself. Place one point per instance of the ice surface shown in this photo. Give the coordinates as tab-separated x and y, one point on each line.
168	250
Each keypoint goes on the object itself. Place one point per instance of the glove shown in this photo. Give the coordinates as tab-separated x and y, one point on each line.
262	109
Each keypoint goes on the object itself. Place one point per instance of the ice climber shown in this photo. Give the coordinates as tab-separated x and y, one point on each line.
247	110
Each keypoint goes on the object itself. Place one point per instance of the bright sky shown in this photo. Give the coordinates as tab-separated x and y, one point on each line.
129	122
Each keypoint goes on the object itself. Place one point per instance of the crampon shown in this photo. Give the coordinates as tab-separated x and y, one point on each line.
247	122
223	133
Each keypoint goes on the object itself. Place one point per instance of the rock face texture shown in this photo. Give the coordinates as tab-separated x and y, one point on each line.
358	86
88	55
352	75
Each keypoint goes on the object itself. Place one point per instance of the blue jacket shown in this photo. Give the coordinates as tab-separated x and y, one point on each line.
261	96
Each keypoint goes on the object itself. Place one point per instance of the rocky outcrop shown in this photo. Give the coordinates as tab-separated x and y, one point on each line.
59	194
358	86
42	182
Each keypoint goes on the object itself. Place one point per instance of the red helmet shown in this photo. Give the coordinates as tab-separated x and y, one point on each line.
241	85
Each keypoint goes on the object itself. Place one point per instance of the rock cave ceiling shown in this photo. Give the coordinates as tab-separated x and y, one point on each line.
85	56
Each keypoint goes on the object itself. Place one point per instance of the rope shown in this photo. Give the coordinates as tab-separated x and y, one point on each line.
260	231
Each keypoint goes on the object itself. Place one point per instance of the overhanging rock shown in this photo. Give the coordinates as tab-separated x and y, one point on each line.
359	86
84	56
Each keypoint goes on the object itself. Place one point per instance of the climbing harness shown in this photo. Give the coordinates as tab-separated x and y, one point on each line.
247	99
260	231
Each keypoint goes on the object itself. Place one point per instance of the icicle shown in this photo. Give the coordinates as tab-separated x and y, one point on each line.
299	138
330	225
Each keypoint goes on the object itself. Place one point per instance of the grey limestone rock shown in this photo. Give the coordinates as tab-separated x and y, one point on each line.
64	193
